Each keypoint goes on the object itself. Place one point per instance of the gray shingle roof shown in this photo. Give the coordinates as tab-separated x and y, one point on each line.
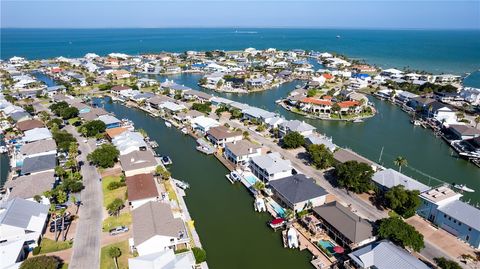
345	221
391	178
19	212
297	188
39	163
38	147
28	186
297	126
385	255
272	163
155	218
137	160
463	212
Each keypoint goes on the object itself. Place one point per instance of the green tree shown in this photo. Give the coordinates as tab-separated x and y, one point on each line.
354	176
104	156
43	262
115	206
403	201
164	173
44	116
63	140
401	233
69	113
445	263
477	121
199	254
259	186
204	108
236	113
320	156
400	161
289	214
336	108
311	93
293	140
92	128
114	253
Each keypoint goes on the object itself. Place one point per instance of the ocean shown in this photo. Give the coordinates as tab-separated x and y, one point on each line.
435	51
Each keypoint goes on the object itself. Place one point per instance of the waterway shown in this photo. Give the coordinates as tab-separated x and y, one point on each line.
430	159
233	235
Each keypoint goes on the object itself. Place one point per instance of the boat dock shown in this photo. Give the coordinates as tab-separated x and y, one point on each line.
205	147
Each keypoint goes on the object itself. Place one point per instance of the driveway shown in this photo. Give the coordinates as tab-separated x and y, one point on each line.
86	246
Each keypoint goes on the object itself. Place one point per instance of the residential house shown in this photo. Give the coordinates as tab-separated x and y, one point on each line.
471	95
317	139
443	207
54	90
270	167
172	108
141	190
197	96
114	132
127	142
26	187
117	89
38	148
298	192
251	113
120	74
29	125
445	116
188	116
300	127
38	164
156	229
389	178
203	124
344	226
384	255
163	259
138	162
220	135
110	121
156	101
240	152
463	132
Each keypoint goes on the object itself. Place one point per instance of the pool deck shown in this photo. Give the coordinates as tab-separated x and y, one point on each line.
310	245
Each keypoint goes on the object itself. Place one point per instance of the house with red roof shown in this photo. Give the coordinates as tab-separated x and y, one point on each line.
315	105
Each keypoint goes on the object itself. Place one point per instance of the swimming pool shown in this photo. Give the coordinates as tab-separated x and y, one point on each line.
326	244
250	179
280	210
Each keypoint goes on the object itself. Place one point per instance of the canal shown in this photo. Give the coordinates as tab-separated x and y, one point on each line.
430	159
232	233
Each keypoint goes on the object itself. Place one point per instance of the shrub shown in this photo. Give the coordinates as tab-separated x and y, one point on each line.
43	262
200	254
115	185
36	250
293	140
104	156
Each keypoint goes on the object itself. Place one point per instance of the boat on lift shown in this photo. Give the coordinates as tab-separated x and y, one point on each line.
463	187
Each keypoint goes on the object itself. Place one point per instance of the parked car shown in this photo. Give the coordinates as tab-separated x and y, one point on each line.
118	230
60	206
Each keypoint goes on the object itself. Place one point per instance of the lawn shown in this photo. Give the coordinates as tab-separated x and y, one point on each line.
73	120
107	263
110	195
124	219
172	195
49	245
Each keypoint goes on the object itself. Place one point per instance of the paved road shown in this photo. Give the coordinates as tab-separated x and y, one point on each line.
86	246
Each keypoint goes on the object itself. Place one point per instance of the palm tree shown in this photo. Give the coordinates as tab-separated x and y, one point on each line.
259	186
74	201
477	121
114	253
289	214
400	161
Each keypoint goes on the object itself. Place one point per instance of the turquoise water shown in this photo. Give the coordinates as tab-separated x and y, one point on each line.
280	210
251	179
432	50
327	245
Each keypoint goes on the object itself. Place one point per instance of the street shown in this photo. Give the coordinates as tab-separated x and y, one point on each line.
86	246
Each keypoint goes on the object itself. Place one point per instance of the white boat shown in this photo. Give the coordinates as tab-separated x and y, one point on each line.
3	149
168	124
259	205
358	121
182	185
166	160
292	238
184	130
463	187
416	122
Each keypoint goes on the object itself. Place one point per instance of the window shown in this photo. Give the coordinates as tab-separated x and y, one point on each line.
454	221
469	229
449	218
444	215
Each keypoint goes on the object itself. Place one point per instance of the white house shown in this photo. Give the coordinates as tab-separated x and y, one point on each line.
163	259
301	127
270	167
156	229
471	95
127	142
240	152
203	124
220	135
445	115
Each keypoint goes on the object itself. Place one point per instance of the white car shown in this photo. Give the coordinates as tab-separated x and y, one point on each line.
118	230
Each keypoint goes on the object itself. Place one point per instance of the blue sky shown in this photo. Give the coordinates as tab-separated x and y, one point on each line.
406	14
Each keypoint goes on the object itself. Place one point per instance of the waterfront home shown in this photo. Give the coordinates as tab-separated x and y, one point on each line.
26	187
156	101
38	148
114	132
163	259
36	134
445	115
120	74
202	124
392	73
38	164
384	255
194	95
155	229
240	152
22	220
274	122
110	121
345	155
463	132
270	167
93	114
138	162
172	108
127	142
220	135
141	97
443	207
12	253
172	69
312	105
317	139
141	189
256	113
447	97
389	178
344	226
471	95
404	96
20	116
117	89
173	87
146	82
29	125
218	101
54	90
188	116
447	78
300	127
298	192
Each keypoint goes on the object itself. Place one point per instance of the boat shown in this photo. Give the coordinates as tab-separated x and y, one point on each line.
166	160
358	121
292	238
168	124
182	185
259	205
277	223
184	130
416	122
338	36
463	187
3	149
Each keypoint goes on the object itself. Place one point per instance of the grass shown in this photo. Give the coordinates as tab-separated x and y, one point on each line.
392	214
73	120
172	195
107	263
110	195
124	219
49	245
64	266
